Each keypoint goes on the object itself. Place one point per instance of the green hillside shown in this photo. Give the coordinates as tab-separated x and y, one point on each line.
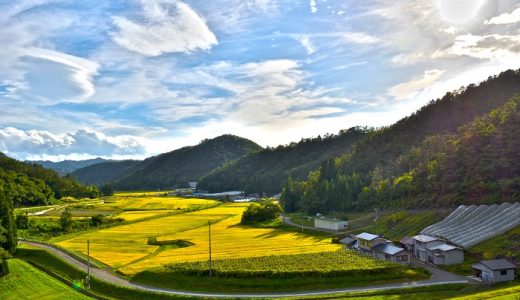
176	168
267	170
442	155
32	184
105	172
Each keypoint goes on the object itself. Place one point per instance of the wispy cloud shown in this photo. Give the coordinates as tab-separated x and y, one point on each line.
413	87
314	6
168	26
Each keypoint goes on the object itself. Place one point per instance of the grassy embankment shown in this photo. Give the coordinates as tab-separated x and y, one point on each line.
393	225
27	282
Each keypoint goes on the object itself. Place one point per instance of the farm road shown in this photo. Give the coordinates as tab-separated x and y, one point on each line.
439	277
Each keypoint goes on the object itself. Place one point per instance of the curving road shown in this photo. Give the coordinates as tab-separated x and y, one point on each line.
439	277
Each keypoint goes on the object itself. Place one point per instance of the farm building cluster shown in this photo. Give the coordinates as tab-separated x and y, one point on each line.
443	243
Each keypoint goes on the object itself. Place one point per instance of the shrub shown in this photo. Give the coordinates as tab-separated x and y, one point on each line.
261	212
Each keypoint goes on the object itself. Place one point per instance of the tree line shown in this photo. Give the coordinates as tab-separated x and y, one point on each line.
461	148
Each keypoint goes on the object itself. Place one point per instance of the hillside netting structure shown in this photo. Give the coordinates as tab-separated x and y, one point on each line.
469	225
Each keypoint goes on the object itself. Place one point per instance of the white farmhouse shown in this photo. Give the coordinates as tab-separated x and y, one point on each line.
493	271
436	251
331	224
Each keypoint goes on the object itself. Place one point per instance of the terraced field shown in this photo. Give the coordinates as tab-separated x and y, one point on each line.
128	248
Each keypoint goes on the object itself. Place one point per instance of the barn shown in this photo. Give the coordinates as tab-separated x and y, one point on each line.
331	224
493	271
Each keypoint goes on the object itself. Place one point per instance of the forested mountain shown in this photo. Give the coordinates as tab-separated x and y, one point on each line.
68	166
173	169
426	159
32	184
105	172
267	170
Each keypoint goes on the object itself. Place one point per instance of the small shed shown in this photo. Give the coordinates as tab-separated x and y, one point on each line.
331	224
348	241
365	241
390	252
493	271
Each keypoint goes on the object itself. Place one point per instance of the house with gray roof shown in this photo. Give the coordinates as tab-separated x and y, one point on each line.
493	271
391	253
436	250
365	241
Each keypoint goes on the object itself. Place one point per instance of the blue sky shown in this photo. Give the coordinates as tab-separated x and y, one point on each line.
129	79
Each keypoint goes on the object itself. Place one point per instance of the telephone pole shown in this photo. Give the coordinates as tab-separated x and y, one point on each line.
88	264
210	262
377	229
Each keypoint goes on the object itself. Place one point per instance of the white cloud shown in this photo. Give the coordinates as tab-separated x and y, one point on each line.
505	18
168	26
492	47
306	43
314	6
413	87
359	38
23	144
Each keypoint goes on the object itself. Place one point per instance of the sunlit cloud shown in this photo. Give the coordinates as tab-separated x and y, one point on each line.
168	26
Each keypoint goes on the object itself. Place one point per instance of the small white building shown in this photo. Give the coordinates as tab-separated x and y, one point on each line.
390	252
365	241
331	224
436	251
493	271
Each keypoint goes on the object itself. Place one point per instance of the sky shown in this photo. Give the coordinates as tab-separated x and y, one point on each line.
129	79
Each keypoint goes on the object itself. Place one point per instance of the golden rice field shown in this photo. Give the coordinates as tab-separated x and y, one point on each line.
125	247
154	203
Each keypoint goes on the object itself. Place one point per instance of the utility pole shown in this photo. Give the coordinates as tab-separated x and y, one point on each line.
88	264
377	229
210	262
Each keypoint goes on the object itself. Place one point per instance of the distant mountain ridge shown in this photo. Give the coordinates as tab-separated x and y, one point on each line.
68	166
267	170
169	170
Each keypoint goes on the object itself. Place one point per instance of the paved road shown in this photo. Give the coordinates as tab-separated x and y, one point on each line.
439	277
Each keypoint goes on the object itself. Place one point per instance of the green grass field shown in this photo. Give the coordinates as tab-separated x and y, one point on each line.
27	282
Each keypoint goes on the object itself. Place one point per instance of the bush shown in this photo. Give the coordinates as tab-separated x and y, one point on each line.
97	220
22	221
66	220
261	212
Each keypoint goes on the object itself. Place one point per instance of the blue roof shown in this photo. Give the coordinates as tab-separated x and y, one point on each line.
367	236
387	248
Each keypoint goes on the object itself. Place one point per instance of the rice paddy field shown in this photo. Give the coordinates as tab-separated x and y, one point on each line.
127	248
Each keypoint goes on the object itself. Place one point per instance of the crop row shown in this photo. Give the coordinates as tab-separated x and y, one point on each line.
324	264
